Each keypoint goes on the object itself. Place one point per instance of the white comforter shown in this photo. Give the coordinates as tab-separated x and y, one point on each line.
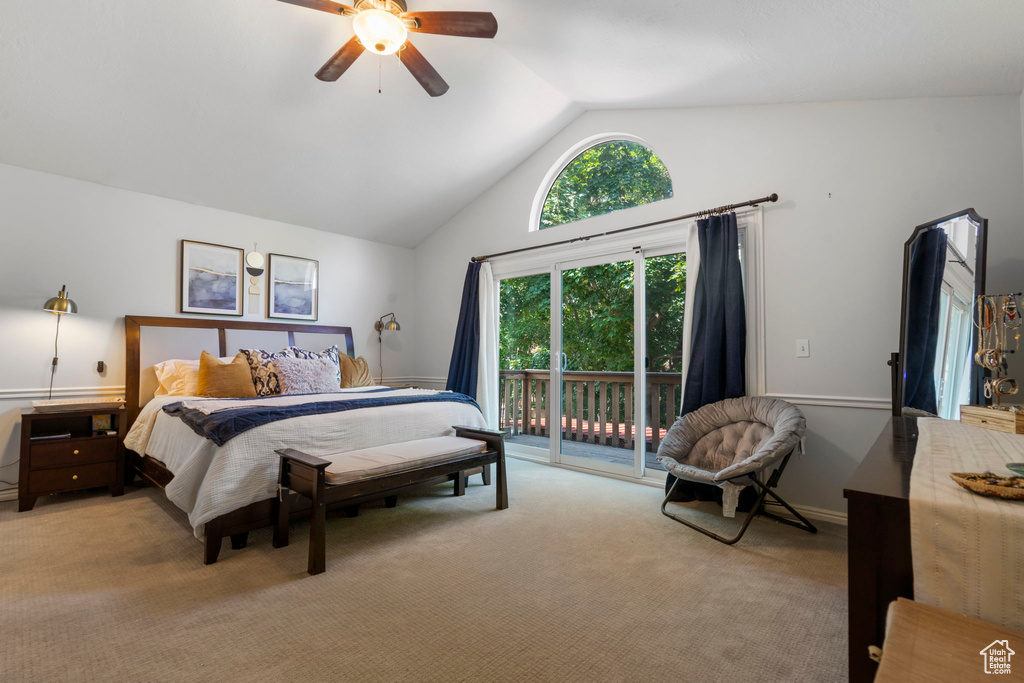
211	480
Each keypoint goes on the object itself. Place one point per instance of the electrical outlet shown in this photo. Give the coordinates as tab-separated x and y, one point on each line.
803	348
101	367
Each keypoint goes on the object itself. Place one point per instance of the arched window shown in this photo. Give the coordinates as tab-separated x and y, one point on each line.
610	174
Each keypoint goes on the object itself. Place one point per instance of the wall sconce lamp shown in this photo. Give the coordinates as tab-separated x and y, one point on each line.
59	306
380	326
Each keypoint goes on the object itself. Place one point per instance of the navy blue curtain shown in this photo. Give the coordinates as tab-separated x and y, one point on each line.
466	354
718	346
924	289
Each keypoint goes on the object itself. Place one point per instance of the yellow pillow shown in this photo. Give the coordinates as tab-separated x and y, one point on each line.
225	380
179	377
355	373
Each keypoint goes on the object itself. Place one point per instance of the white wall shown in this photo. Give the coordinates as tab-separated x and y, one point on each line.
854	179
118	253
1016	363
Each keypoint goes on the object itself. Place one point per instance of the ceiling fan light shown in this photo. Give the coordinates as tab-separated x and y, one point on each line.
380	31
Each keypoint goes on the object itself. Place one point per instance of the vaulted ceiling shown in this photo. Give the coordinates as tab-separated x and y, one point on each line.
214	101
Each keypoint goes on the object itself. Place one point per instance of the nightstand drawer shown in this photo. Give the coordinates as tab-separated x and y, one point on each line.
73	452
72	478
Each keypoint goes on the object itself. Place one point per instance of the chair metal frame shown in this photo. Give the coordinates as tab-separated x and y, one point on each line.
764	490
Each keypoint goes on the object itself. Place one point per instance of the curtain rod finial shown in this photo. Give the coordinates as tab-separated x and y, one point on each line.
773	197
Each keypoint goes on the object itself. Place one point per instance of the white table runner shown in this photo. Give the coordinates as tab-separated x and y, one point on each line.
967	549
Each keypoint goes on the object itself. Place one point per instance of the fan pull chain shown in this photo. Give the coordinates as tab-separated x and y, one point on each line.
380	75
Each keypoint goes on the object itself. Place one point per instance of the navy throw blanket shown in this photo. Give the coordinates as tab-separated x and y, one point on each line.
224	425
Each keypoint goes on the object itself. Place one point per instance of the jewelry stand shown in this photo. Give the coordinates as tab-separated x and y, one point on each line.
997	317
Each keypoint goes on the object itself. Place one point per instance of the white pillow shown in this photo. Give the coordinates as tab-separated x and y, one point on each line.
318	375
330	354
179	377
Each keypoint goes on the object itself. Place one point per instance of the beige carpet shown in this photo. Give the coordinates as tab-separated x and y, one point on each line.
582	579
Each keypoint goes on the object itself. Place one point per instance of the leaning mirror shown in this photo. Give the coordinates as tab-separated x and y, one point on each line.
943	274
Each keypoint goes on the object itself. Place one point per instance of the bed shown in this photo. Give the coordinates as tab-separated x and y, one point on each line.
228	489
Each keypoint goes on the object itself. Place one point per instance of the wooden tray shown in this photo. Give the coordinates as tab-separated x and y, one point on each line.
986	487
993	418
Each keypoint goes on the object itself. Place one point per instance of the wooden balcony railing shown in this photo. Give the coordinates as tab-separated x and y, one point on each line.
598	406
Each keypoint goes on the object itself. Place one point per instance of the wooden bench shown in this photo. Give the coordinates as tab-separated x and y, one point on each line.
381	472
925	643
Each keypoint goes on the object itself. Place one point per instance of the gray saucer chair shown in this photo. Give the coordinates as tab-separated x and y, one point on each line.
736	441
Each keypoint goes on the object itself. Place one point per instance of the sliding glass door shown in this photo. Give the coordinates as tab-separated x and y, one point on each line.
591	355
665	281
524	359
598	364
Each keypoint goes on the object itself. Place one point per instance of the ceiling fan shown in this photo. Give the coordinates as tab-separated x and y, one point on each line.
383	26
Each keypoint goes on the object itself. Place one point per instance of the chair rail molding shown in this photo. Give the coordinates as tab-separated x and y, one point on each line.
866	403
60	392
861	402
427	382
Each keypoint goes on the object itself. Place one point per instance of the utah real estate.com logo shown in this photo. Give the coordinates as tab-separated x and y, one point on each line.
997	657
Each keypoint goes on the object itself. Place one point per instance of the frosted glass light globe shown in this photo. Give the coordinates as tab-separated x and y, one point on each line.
379	31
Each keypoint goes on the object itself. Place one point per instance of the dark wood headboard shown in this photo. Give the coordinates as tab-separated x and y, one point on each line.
133	325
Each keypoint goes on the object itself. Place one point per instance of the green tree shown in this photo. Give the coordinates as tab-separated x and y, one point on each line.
666	303
607	177
524	335
597	317
597	301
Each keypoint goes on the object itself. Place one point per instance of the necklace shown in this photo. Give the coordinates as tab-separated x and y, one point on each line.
1012	318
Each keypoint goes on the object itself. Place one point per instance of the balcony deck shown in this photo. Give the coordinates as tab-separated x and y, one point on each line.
599	420
589	451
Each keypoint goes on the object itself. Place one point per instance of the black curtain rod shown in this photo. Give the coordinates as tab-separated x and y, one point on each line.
706	212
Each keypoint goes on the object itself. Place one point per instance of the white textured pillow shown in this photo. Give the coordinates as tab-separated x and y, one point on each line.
330	354
307	375
179	377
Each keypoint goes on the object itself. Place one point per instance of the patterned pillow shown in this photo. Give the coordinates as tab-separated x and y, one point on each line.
330	354
307	375
264	374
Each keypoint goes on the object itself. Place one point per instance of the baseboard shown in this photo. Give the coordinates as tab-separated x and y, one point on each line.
8	494
830	516
819	514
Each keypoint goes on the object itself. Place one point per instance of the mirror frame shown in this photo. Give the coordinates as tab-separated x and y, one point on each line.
980	265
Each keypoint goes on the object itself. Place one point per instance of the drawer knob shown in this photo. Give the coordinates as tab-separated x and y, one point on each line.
76	452
74	476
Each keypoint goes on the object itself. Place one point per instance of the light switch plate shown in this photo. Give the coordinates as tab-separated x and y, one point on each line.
803	348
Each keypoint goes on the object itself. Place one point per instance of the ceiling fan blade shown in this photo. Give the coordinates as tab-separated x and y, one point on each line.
323	6
462	24
421	70
341	61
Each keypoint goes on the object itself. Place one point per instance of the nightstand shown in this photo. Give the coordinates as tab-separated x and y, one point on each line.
78	458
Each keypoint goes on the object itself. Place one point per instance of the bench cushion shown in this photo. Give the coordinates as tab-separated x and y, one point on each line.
380	460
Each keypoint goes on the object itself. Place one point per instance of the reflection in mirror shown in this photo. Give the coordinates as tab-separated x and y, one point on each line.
944	272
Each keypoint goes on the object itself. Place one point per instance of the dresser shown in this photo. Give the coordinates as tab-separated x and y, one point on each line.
61	451
880	565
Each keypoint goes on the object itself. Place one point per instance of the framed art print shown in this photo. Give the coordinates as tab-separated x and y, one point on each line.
211	279
293	286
